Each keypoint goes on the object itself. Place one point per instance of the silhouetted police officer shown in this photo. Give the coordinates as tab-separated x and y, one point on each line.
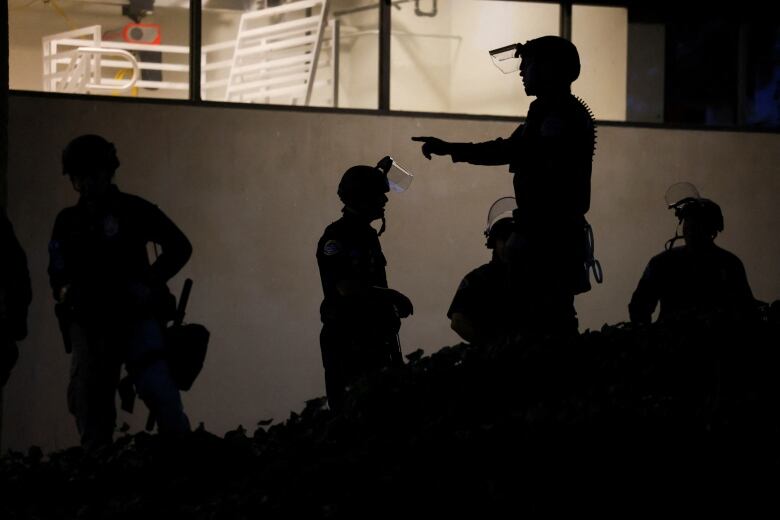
481	309
360	314
15	297
112	302
696	278
550	157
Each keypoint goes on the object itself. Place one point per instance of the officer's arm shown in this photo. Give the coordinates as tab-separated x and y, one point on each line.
59	276
743	293
462	306
489	153
645	297
351	288
176	248
19	293
355	288
464	327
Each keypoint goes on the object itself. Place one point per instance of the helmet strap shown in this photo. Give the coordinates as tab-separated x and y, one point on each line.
671	241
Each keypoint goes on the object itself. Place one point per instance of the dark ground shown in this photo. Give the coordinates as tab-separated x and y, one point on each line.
669	420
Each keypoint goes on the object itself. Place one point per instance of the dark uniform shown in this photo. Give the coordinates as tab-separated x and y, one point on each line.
550	157
359	332
115	307
15	297
688	282
484	298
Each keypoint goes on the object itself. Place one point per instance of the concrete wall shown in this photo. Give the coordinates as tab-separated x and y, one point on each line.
253	189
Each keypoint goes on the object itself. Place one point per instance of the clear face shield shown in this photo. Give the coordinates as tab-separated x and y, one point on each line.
399	178
507	58
501	209
680	194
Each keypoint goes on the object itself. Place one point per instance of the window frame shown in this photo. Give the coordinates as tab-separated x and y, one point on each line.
385	23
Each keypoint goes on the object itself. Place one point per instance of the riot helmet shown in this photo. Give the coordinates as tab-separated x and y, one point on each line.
88	155
693	210
706	212
558	56
361	182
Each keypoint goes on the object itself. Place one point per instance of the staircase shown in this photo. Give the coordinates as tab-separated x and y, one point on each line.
277	53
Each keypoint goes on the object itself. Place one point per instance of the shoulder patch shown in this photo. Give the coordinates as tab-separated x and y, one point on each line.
331	247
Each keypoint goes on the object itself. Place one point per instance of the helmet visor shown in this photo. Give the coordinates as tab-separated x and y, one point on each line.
681	193
399	178
501	209
507	58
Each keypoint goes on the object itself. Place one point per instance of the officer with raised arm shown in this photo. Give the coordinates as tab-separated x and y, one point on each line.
550	157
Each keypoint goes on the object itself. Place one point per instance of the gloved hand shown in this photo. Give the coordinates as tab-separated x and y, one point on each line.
401	303
433	146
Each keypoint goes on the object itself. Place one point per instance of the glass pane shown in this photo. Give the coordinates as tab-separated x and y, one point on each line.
294	52
761	91
646	72
133	49
703	67
440	54
601	37
358	78
701	72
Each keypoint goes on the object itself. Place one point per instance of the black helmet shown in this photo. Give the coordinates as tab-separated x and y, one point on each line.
88	154
362	181
704	211
500	230
556	51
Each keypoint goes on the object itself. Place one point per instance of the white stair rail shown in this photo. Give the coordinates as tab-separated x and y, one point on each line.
55	58
60	50
85	66
275	59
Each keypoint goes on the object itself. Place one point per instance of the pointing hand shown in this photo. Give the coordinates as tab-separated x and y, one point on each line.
432	146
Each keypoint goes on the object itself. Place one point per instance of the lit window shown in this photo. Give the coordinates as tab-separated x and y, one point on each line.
440	54
136	48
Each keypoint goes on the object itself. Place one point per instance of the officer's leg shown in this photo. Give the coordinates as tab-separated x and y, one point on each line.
94	375
335	376
558	314
542	299
153	380
523	286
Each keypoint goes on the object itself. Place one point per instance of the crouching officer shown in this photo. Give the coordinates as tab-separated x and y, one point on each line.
481	311
696	278
360	314
112	302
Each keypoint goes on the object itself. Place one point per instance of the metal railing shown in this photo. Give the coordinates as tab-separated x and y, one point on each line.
79	61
